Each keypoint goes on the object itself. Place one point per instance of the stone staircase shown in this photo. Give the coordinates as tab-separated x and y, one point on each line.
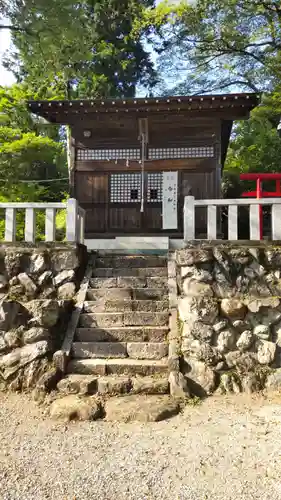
121	343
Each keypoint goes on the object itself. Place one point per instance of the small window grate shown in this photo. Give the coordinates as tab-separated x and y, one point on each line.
154	187
108	154
134	194
125	188
167	153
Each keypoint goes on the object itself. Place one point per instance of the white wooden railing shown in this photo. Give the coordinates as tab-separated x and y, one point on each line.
190	204
75	220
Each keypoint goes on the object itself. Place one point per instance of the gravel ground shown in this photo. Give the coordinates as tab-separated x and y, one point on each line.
224	448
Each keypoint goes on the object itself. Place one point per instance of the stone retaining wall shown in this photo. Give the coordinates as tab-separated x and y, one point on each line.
229	308
37	288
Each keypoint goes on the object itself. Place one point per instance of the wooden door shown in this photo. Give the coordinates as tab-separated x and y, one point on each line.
91	191
125	214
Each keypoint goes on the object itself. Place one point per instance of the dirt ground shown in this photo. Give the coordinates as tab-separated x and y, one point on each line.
225	448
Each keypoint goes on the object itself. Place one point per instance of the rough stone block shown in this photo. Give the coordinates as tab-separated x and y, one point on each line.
45	312
132	282
192	288
66	291
245	340
16	359
149	294
113	385
78	384
35	334
226	341
122	334
74	408
157	282
233	309
149	350
265	352
141	408
273	381
87	367
102	320
64	260
29	286
99	350
136	367
178	385
203	309
124	366
64	277
37	263
150	385
201	379
146	319
102	294
189	256
103	282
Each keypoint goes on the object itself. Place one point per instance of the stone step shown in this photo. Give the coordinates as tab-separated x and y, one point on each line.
142	272
130	282
126	305
125	334
130	261
117	366
127	293
135	350
114	384
87	350
112	319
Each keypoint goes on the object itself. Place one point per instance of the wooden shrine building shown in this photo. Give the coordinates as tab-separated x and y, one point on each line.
134	160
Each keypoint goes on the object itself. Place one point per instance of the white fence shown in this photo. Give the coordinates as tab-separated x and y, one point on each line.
190	205
75	220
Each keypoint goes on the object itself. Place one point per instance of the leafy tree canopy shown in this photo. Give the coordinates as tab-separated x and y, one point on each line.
89	48
209	46
29	149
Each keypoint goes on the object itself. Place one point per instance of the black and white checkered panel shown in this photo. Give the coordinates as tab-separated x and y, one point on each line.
170	153
108	154
125	188
154	187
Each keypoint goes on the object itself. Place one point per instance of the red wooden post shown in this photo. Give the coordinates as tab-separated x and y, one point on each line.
259	193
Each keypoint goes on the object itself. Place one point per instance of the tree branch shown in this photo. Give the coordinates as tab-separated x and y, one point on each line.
12	28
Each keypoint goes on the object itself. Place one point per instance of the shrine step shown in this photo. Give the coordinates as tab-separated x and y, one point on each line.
142	272
126	305
127	293
125	366
114	384
125	334
129	261
135	350
115	319
130	282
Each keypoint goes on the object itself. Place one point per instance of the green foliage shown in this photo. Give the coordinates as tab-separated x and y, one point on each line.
30	154
222	44
80	49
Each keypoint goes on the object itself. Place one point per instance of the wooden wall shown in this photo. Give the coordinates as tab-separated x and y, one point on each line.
196	176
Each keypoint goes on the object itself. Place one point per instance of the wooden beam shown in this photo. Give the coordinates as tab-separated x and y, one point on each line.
196	164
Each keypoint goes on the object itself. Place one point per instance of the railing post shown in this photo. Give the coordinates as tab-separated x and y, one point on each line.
82	227
276	221
212	222
189	218
30	225
72	220
233	222
10	224
254	222
50	224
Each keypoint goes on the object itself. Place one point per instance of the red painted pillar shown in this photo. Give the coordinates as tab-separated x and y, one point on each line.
259	196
